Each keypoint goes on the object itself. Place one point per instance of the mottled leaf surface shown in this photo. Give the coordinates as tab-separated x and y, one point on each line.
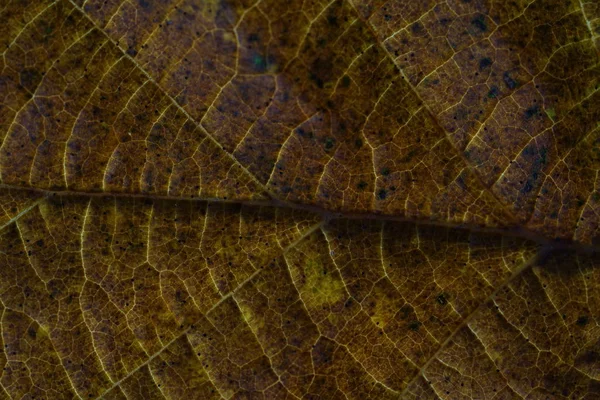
309	199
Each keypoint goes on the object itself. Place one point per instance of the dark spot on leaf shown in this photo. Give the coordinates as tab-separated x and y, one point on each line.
532	112
441	299
322	352
29	78
461	114
509	81
32	333
414	326
318	81
528	187
484	63
259	63
345	81
416	28
329	143
479	23
582	320
543	154
493	93
382	194
590	357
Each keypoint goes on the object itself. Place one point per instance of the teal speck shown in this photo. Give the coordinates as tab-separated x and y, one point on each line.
259	62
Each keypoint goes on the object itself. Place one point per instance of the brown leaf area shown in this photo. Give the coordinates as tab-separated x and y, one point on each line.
309	199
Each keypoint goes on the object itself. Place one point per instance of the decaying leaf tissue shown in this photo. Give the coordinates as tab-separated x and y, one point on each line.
300	199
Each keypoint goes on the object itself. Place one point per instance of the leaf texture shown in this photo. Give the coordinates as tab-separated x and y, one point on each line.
344	199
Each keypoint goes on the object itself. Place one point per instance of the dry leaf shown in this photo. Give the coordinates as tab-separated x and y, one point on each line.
313	199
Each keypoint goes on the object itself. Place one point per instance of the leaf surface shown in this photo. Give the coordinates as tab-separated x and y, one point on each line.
304	199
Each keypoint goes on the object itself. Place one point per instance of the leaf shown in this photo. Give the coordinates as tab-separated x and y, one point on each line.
303	199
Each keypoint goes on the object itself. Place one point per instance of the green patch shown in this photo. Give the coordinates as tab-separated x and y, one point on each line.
323	286
248	316
551	113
